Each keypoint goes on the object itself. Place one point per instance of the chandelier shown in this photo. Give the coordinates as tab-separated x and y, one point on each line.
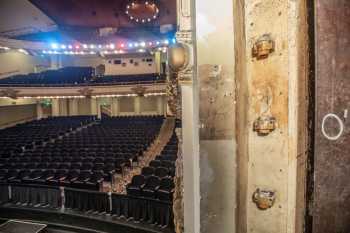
142	11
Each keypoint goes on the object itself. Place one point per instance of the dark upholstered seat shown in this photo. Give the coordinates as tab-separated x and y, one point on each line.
136	185
166	189
151	187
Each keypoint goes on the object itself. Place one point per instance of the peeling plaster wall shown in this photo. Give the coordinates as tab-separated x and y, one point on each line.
241	114
331	207
215	63
268	156
275	162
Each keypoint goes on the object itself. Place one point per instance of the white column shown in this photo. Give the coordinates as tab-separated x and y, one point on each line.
137	102
157	60
39	110
55	107
63	106
73	107
160	105
99	112
93	109
190	150
115	106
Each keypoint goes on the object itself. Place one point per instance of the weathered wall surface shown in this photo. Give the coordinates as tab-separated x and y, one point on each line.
215	63
332	161
275	87
241	114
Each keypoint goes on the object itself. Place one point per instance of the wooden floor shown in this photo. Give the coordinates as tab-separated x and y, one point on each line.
75	221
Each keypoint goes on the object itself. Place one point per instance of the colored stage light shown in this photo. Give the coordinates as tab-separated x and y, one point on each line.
54	46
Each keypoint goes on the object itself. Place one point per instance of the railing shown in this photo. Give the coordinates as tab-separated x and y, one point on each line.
84	84
139	208
142	209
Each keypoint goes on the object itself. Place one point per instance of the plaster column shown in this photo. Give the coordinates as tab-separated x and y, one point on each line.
190	122
137	104
273	86
115	106
157	60
160	105
93	106
63	106
99	111
190	150
39	110
55	107
73	107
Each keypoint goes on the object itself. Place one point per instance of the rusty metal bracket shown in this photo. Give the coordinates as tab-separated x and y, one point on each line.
263	47
264	125
264	199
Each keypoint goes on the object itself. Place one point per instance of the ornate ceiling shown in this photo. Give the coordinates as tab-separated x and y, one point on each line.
91	20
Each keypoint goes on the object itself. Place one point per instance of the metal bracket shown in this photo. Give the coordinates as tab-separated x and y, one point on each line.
263	47
264	125
264	199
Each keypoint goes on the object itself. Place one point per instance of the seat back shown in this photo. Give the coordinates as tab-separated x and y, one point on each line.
138	180
147	171
167	184
152	182
155	163
161	172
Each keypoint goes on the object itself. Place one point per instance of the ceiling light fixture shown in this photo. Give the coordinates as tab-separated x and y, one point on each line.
149	8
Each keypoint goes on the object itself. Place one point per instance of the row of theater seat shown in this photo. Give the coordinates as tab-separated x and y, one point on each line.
156	180
151	187
75	152
61	177
15	140
68	76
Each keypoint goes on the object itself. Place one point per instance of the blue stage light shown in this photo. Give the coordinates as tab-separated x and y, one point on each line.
54	46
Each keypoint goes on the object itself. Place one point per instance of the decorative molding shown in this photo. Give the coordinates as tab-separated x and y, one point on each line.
9	92
184	13
82	91
178	200
139	90
185	38
86	91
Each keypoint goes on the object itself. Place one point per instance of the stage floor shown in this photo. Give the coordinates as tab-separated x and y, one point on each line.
15	226
70	221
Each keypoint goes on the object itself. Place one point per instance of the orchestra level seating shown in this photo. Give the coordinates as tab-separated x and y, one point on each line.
60	164
50	152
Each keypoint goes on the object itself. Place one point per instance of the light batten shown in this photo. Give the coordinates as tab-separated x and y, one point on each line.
82	49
